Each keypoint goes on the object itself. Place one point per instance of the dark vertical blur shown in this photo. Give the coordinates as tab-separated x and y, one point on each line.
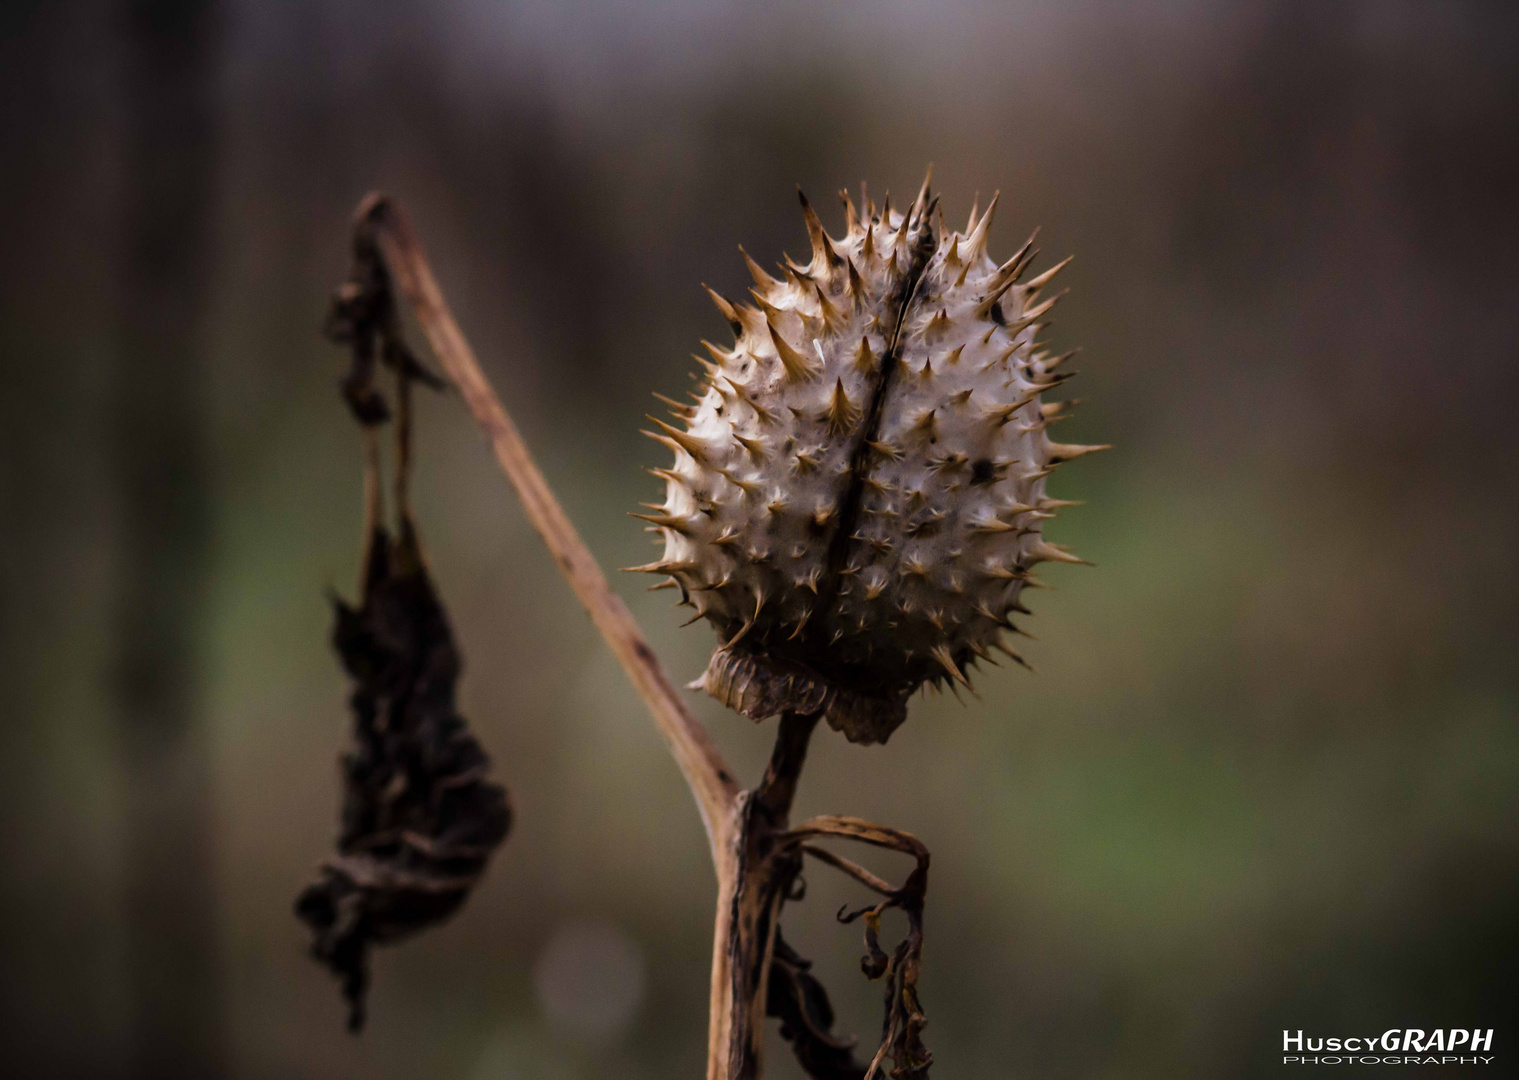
159	453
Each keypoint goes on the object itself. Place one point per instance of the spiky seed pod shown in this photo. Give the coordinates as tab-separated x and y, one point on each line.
858	495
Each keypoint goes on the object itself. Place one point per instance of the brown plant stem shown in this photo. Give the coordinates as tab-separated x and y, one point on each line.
380	221
747	911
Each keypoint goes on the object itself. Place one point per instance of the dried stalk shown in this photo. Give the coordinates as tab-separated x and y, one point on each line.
756	856
380	221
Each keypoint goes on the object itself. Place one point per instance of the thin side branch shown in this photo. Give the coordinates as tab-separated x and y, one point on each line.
866	832
853	869
382	223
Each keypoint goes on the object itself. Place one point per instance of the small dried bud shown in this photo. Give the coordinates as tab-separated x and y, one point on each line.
857	496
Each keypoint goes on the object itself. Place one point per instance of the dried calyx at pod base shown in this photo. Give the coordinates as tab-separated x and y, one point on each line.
858	491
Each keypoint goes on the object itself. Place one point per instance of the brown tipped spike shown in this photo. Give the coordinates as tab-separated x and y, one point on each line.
1044	551
1069	451
798	366
977	239
947	662
900	241
727	309
922	209
1013	269
761	413
1037	283
975	209
984	309
680	409
1001	414
826	307
762	280
683	439
660	566
1037	310
769	310
681	525
921	202
1001	646
755	448
823	255
1003	279
864	359
663	440
840	412
1054	362
931	210
723	356
855	283
851	217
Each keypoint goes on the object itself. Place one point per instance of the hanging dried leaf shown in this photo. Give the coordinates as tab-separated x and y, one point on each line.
420	818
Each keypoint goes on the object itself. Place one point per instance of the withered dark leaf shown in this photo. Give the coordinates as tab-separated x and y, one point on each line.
801	1004
363	316
420	818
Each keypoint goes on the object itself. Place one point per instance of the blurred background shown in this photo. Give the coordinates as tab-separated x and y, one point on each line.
1265	776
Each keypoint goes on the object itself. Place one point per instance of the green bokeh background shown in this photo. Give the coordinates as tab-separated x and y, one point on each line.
1265	776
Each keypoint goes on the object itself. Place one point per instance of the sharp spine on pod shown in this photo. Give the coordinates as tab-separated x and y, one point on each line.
858	513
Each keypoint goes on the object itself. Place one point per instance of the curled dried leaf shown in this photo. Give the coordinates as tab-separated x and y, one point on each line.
902	1026
420	818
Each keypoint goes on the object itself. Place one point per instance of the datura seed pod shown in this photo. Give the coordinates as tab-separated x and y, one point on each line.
858	490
